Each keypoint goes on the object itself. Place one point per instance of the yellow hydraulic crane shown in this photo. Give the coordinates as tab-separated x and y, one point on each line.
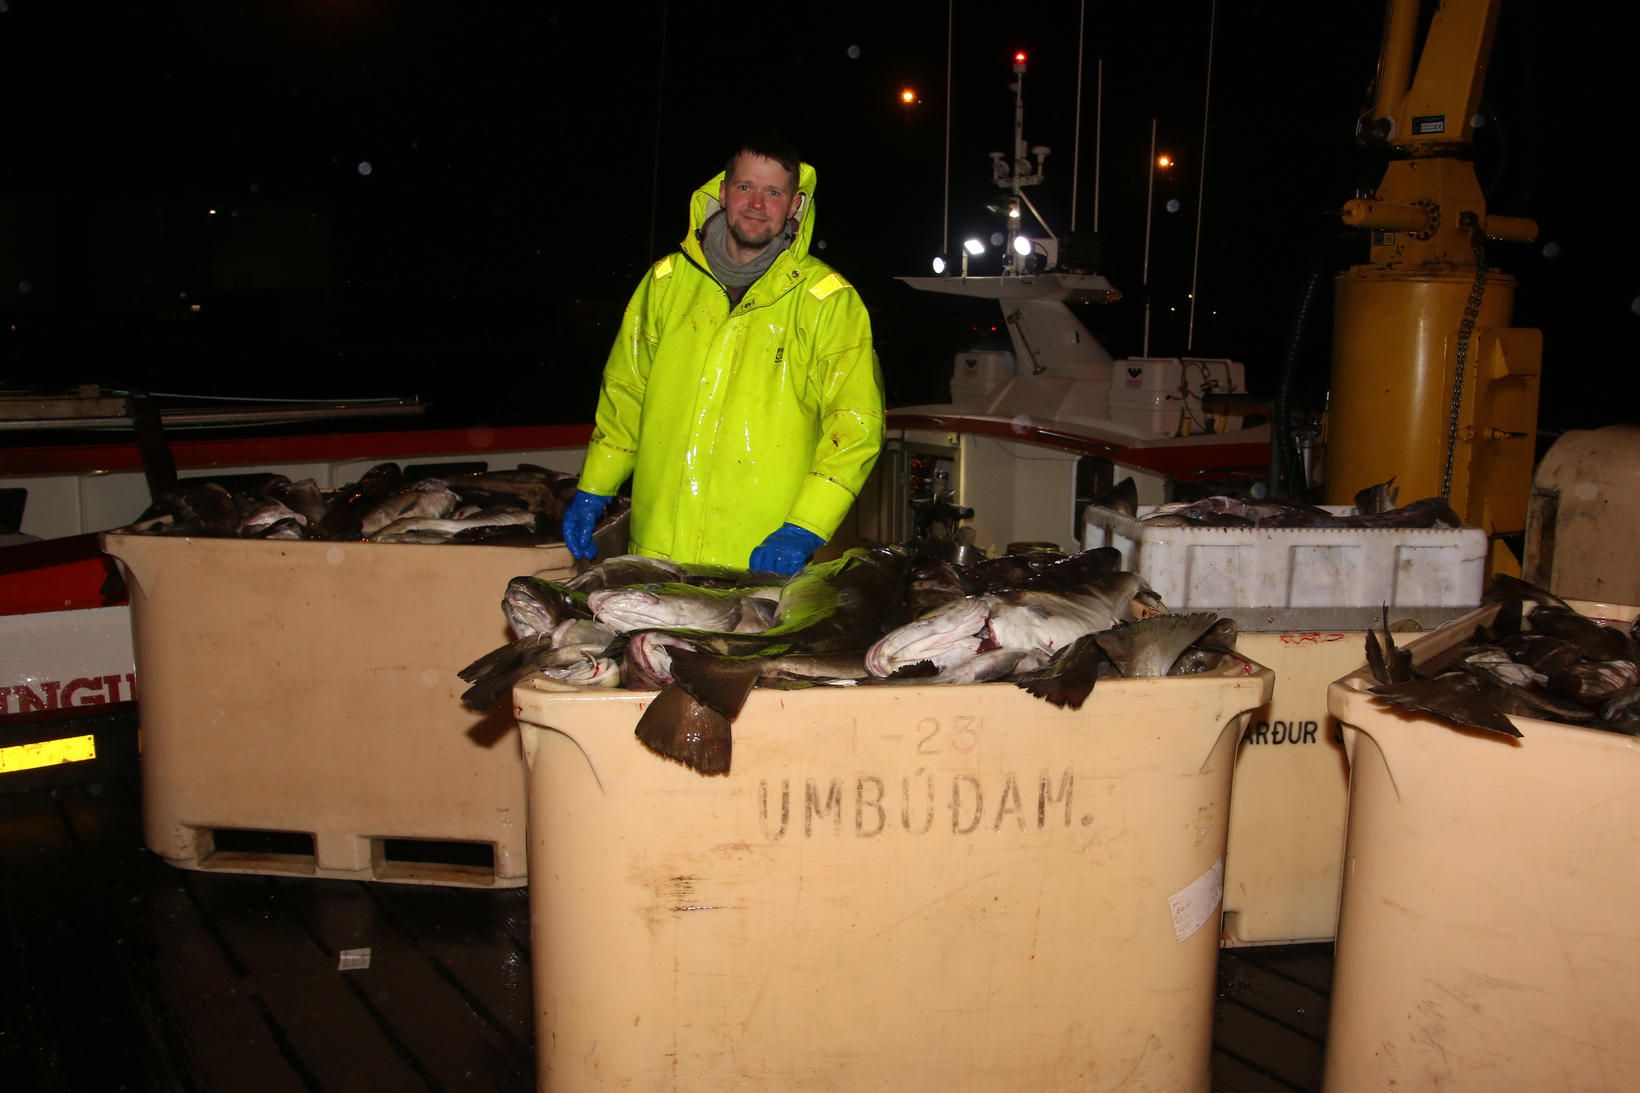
1430	383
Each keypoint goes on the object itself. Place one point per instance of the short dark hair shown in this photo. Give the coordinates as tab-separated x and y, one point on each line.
770	145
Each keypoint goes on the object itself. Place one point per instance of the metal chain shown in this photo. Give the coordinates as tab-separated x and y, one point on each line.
1466	330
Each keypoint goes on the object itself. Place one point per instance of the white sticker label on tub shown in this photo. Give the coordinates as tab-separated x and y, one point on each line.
1195	903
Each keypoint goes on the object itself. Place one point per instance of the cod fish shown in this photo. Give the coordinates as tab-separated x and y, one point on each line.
1549	663
830	607
1159	645
438	529
576	651
1024	619
650	606
198	507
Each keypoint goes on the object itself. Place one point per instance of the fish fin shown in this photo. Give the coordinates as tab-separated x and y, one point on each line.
1165	636
1069	677
675	726
1375	659
1455	697
1123	497
506	658
716	681
491	687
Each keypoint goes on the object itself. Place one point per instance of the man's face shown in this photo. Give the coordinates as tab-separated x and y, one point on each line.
758	196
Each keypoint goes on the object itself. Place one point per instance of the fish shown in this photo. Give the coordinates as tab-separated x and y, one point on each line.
574	651
344	515
271	519
430	498
670	604
1379	498
1122	497
828	607
1549	663
1069	677
531	488
679	726
1148	647
1174	644
1387	663
1011	570
303	497
1457	697
191	507
1223	511
436	529
1026	619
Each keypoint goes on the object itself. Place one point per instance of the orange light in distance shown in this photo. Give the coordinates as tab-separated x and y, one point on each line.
1164	161
1019	58
908	96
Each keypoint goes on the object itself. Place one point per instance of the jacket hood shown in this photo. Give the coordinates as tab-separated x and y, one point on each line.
704	204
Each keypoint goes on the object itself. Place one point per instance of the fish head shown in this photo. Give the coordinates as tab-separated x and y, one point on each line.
945	637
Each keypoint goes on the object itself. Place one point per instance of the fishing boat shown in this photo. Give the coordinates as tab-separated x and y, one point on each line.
1033	432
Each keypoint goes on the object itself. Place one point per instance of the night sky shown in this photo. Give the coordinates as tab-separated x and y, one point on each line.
455	200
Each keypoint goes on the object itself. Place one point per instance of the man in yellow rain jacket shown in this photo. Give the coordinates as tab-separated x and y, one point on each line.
743	395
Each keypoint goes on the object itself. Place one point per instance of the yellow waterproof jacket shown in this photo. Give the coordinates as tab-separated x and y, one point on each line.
733	421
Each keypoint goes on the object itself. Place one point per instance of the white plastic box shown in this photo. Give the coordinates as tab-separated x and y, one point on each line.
1208	567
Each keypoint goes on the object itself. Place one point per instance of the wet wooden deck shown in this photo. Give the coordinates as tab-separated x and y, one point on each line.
124	973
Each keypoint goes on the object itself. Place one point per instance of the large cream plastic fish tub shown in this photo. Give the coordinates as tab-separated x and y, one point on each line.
1291	794
300	709
1488	937
895	888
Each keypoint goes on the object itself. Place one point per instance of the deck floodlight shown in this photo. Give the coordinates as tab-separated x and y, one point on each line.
974	247
1022	246
940	264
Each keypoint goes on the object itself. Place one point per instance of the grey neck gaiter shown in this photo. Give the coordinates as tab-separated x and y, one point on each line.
714	236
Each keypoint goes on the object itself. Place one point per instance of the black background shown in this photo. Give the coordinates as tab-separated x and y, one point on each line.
526	161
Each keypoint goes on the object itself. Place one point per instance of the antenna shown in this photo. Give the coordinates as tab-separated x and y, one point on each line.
945	231
1098	136
1076	145
1201	186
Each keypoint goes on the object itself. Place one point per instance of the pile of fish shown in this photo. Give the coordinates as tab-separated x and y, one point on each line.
705	636
514	507
1538	658
1375	507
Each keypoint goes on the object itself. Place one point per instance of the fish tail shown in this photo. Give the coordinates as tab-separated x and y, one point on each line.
1154	642
678	727
721	683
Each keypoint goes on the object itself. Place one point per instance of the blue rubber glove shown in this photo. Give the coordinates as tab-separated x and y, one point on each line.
786	550
579	519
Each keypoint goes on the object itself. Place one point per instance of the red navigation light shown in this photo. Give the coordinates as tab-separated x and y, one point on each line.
1020	57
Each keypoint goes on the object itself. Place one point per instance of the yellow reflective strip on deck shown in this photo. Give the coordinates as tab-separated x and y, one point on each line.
828	285
46	753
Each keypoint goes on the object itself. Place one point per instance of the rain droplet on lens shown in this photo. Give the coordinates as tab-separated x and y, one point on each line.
1634	304
853	51
821	244
256	187
1477	121
1172	204
25	287
1021	424
1551	249
364	167
997	238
